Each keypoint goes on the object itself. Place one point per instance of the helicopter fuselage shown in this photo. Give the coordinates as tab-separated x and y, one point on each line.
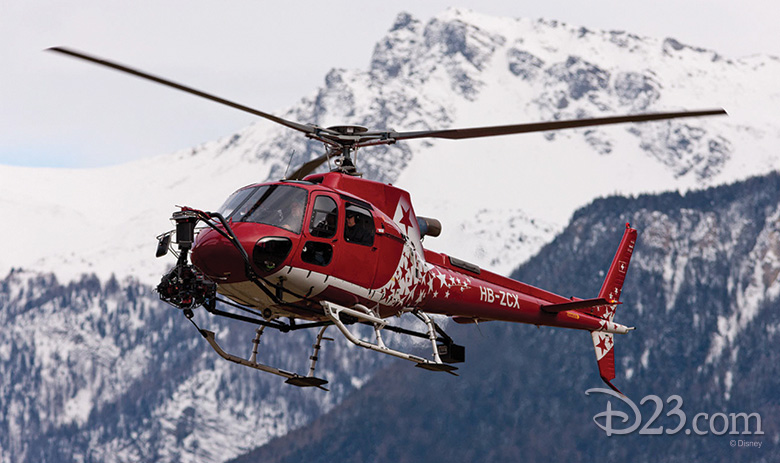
314	240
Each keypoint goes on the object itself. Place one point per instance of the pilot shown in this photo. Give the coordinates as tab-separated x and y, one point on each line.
326	227
355	231
292	220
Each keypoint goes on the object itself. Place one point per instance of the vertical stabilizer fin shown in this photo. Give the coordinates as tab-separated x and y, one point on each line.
613	283
603	342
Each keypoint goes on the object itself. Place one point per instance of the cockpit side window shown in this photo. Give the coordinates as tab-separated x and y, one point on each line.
324	217
359	227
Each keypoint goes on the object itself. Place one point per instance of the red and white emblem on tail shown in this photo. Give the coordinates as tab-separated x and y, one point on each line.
603	342
605	355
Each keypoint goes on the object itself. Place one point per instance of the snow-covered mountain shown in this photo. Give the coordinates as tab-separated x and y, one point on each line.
96	369
460	69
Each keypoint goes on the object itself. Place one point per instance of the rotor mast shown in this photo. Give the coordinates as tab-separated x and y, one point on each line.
341	142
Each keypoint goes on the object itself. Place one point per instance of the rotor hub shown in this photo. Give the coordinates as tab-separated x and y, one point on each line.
348	129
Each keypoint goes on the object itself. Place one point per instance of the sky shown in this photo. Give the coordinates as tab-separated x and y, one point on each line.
60	112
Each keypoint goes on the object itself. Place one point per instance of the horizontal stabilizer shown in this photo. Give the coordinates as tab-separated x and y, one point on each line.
576	305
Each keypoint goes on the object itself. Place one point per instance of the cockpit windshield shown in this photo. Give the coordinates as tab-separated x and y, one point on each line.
234	202
278	205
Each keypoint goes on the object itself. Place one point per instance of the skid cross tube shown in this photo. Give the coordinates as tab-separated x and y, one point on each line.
317	346
292	378
333	312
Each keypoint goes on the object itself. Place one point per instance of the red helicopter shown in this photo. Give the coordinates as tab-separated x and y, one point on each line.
335	249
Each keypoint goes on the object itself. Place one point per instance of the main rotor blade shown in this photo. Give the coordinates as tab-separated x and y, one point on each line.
492	131
307	168
293	125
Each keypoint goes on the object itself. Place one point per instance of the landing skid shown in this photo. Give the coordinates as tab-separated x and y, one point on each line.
364	314
292	378
307	381
437	367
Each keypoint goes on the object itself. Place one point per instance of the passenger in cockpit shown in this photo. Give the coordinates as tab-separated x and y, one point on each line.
355	231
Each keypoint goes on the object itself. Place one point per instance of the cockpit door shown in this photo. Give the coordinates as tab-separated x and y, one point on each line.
338	239
320	234
357	249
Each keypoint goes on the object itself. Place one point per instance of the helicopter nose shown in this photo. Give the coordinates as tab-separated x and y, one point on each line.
216	257
220	260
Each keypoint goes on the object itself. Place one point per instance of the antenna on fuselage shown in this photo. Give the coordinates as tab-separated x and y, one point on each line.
288	164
